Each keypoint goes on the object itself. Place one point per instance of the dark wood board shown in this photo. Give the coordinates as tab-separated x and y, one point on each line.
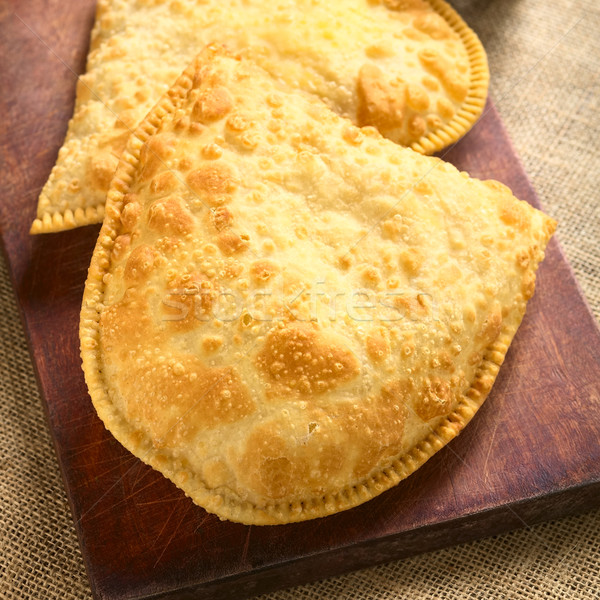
532	452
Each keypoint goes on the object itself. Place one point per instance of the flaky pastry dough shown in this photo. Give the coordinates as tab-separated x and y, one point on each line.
285	314
413	69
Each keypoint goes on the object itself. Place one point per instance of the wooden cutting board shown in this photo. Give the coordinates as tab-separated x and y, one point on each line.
532	452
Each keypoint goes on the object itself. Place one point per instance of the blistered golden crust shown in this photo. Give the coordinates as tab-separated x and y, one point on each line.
232	345
469	95
412	69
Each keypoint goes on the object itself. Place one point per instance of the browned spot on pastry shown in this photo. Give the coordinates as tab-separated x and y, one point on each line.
230	242
492	325
120	246
417	126
434	121
370	275
397	391
407	348
184	164
277	463
125	325
231	269
139	264
345	261
277	474
523	258
394	228
212	151
285	459
216	473
301	232
221	218
423	187
262	270
378	346
410	33
189	301
181	123
352	135
454	82
379	426
155	151
211	343
237	122
443	361
130	212
290	457
196	128
213	182
180	397
102	171
268	465
212	105
163	183
305	360
416	97
169	216
483	383
515	214
434	399
528	285
433	25
411	260
411	307
380	103
445	108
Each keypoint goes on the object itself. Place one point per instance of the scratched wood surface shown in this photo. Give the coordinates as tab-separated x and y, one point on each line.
531	453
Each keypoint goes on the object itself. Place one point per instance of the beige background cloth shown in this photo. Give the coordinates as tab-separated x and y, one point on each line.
545	65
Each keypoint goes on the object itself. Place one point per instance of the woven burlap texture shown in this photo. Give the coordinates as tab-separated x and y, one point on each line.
545	81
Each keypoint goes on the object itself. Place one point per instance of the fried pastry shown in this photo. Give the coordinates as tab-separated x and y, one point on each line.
286	315
410	68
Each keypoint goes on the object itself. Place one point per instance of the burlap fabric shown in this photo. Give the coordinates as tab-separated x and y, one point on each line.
545	64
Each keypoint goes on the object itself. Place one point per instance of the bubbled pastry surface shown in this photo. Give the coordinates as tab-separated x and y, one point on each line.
222	338
414	70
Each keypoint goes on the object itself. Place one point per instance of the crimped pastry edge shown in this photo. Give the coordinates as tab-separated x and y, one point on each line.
472	106
70	219
379	481
461	122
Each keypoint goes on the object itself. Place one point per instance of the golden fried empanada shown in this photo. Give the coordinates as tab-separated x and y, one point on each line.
410	68
285	314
